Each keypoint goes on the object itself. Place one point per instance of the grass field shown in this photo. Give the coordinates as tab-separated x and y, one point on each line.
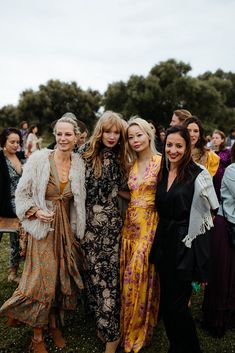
80	332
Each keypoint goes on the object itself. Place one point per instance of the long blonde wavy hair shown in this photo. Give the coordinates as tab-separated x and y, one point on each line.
93	153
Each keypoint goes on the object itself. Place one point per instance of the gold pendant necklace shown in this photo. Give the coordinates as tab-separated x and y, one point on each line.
64	174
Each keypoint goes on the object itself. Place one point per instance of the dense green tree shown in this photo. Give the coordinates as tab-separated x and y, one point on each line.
8	116
168	86
55	98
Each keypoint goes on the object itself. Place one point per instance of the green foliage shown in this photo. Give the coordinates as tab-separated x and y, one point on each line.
8	116
168	86
80	331
50	102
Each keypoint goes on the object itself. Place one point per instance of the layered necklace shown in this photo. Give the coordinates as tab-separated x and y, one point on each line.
63	168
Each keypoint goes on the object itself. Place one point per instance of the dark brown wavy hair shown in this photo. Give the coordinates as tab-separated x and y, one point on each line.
7	132
201	143
186	167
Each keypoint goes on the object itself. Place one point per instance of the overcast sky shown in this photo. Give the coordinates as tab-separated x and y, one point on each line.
96	42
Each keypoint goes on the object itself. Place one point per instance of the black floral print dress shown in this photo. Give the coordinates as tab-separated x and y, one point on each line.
101	245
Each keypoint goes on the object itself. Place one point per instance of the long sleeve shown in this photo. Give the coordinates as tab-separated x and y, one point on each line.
228	192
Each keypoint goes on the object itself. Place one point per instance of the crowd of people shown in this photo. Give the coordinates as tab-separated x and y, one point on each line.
131	217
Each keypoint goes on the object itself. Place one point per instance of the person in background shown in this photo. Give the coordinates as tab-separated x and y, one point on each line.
83	133
157	138
200	153
209	143
33	142
219	297
231	137
140	289
218	145
179	116
11	161
24	133
185	197
50	203
106	166
162	133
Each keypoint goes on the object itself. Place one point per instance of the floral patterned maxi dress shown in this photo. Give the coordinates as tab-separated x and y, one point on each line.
101	245
139	283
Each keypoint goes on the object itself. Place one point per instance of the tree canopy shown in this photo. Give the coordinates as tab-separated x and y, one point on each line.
168	86
50	102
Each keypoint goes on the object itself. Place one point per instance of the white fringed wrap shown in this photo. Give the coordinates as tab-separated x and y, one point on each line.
204	200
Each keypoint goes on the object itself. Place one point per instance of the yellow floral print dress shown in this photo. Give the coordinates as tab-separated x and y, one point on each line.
140	289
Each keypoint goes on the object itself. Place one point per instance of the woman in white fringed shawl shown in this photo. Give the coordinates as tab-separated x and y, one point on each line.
50	203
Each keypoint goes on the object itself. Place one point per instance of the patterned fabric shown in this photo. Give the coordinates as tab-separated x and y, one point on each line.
50	277
139	282
209	159
14	177
101	245
14	250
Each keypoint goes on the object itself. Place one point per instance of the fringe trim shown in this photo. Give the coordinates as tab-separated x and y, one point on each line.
207	224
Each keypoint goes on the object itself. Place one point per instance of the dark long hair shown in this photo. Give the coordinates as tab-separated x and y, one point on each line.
186	167
7	132
201	143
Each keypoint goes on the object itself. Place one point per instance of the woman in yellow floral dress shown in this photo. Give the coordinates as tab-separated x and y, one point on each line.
139	282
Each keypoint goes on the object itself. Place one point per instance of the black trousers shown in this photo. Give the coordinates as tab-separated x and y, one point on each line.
179	324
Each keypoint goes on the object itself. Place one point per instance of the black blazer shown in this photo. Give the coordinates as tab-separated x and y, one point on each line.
5	186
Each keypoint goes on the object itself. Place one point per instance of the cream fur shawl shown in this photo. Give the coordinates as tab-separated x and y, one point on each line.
31	192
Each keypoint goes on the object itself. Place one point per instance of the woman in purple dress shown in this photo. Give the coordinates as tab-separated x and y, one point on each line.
218	141
219	298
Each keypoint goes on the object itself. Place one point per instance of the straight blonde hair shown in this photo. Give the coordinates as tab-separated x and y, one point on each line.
146	128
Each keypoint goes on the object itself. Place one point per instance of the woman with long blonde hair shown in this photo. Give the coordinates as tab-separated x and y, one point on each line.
140	290
105	160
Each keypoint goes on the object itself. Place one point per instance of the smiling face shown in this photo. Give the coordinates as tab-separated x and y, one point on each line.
12	143
194	133
175	148
65	136
138	139
110	136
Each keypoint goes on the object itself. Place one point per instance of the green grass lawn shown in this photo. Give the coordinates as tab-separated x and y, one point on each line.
80	332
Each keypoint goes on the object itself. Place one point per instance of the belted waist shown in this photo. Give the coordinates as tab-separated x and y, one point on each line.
141	204
55	198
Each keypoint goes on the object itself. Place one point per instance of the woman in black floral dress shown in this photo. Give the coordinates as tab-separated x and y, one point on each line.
104	157
11	162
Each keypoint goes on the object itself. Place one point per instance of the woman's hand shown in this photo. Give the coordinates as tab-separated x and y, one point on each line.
44	216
